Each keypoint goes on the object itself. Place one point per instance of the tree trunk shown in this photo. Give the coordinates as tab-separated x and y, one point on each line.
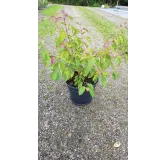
87	2
110	3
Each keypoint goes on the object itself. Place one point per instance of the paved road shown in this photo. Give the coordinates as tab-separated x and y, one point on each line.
118	12
111	16
125	8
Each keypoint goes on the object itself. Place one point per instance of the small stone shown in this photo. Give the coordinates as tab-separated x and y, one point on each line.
117	144
69	135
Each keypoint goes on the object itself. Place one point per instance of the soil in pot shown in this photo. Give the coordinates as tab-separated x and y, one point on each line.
79	100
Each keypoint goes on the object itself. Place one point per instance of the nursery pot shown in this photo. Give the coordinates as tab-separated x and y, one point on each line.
79	100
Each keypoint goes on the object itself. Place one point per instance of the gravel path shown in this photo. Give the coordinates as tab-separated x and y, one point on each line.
67	132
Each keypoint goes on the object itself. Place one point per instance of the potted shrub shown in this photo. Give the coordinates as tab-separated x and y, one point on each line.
78	64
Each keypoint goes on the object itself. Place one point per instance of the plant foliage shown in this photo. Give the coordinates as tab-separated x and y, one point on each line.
77	62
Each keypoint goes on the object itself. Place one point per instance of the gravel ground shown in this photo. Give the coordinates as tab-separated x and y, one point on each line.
68	132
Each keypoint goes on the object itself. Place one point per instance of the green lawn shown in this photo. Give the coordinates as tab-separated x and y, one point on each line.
45	27
52	10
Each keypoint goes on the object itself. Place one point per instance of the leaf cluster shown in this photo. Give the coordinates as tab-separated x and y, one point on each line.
77	61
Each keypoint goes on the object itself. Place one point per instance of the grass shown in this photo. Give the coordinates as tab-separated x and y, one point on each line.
105	27
45	27
52	10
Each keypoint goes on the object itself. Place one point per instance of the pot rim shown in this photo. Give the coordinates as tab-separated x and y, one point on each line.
77	87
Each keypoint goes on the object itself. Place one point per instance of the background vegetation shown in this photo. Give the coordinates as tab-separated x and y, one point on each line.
42	3
93	3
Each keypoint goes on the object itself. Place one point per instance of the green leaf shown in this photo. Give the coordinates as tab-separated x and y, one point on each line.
57	41
73	45
115	75
88	39
50	67
90	86
107	61
95	78
91	74
72	74
104	81
56	67
106	73
65	54
118	60
68	74
62	36
114	46
62	66
71	18
46	58
77	61
91	63
80	85
65	77
55	76
61	50
98	62
68	45
43	54
92	92
81	90
47	63
75	31
71	65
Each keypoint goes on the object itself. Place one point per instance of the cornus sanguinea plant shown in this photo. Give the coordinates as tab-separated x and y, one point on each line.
79	64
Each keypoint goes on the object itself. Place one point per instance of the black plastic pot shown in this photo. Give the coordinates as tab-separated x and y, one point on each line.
79	100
